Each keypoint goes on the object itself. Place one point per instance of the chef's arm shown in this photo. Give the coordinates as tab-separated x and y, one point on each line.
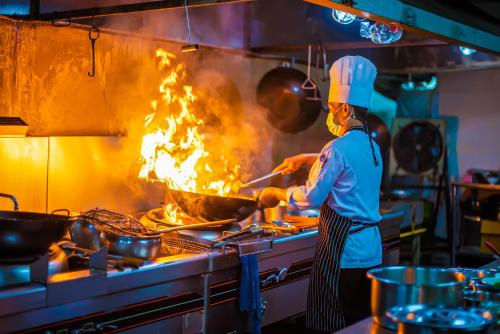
310	158
310	195
321	179
292	164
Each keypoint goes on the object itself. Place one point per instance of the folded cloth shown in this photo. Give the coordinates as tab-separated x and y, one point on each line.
250	291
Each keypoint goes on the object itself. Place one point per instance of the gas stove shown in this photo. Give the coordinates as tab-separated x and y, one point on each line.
182	293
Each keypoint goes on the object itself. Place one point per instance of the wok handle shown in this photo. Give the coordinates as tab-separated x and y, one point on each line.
59	210
13	199
193	226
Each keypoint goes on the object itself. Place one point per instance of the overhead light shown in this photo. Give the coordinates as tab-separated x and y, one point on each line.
408	85
190	47
421	85
364	29
342	17
381	33
430	85
466	51
13	127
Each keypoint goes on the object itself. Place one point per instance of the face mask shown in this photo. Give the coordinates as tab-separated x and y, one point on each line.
335	129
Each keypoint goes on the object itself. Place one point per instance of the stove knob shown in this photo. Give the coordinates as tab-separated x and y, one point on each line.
104	328
263	304
282	274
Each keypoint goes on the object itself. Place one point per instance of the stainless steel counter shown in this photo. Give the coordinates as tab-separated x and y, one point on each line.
184	293
366	326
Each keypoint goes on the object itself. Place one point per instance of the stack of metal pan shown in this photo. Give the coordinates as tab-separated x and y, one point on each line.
422	319
432	300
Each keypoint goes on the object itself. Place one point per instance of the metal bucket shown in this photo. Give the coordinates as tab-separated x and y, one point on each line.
402	285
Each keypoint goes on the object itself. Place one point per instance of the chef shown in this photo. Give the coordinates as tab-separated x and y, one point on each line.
344	181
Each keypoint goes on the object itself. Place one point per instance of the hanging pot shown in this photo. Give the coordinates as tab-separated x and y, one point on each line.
290	107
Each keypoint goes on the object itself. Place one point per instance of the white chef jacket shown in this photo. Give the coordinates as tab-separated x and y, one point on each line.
346	176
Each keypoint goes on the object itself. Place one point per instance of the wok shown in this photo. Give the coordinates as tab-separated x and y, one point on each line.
25	236
290	107
212	207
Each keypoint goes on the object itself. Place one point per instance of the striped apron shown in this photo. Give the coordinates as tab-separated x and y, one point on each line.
324	310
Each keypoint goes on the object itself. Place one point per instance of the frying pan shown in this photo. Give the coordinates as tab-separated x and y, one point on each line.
291	108
212	207
25	236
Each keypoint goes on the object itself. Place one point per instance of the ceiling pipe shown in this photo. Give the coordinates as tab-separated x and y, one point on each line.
330	46
130	8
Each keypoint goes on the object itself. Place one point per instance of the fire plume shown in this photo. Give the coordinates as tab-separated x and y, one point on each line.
174	149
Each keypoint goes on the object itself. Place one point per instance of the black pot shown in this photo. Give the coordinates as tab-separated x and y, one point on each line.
25	236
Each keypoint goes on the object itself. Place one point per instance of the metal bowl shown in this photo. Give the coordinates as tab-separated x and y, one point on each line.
87	235
144	247
402	285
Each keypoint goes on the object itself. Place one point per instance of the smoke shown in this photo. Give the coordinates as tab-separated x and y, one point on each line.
234	126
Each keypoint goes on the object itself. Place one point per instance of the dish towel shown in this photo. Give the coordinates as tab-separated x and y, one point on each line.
250	291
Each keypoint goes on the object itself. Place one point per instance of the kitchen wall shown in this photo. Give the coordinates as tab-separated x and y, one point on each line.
473	97
85	133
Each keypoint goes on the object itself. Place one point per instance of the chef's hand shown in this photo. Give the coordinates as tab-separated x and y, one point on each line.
293	164
271	196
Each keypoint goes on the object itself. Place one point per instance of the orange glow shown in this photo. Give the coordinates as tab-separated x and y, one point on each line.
174	149
488	315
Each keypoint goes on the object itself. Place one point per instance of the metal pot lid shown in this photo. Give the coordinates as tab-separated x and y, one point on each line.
458	319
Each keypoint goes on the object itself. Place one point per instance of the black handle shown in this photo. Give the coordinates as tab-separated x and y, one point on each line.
492	248
58	210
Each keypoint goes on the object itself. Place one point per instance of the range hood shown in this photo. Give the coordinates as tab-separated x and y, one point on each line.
13	127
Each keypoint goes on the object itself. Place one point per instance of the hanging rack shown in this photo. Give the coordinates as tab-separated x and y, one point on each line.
316	96
308	84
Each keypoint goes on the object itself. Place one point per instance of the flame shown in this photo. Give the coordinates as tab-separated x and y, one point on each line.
170	212
174	149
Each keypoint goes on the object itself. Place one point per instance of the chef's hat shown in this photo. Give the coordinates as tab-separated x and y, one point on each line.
351	81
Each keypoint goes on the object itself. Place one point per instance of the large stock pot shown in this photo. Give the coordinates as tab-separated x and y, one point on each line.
403	285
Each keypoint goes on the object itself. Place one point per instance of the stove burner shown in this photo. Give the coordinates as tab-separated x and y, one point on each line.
18	273
188	241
